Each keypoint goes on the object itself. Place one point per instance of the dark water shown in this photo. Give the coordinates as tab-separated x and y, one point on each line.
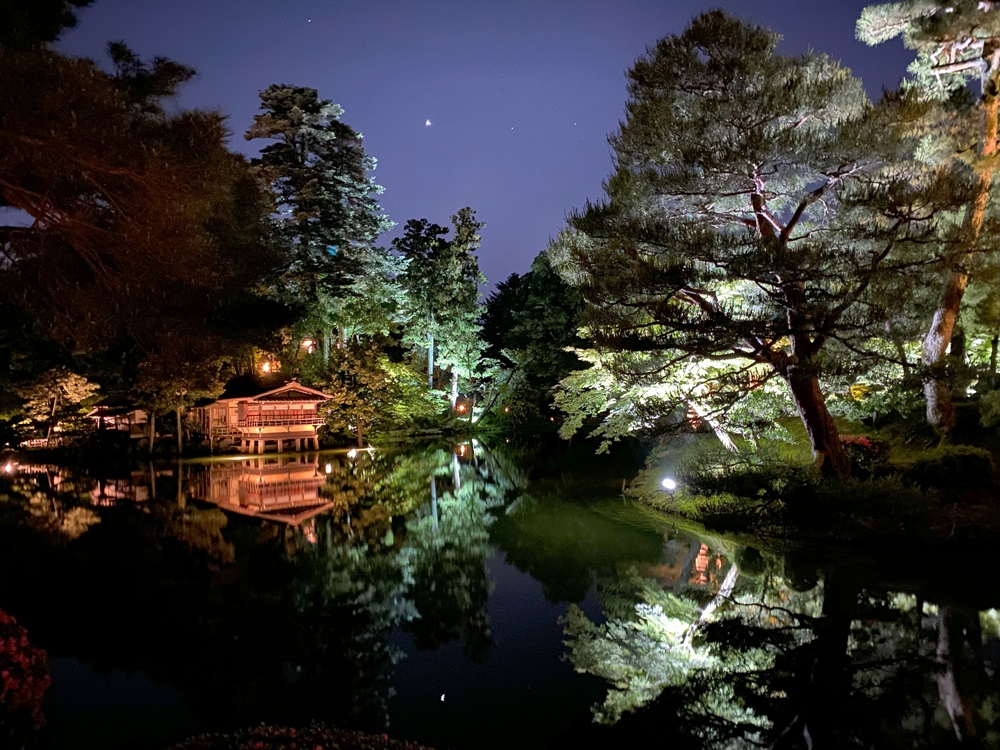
465	597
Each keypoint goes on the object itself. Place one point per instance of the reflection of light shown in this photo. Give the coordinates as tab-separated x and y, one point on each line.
461	407
9	468
352	453
309	345
328	468
266	367
669	484
461	450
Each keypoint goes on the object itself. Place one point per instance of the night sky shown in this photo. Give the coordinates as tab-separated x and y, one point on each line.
504	106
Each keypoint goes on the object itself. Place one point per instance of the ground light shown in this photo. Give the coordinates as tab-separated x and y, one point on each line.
668	484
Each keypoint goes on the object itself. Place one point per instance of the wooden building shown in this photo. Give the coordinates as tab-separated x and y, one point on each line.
286	417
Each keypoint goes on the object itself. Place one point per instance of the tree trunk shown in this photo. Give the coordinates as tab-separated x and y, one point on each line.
472	408
434	501
357	425
430	362
152	431
454	390
994	342
955	627
937	390
717	428
828	452
324	340
180	433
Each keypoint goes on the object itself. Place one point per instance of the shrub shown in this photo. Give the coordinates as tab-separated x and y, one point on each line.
952	467
867	454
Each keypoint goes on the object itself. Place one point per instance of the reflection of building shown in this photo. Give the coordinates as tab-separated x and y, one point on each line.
287	417
278	488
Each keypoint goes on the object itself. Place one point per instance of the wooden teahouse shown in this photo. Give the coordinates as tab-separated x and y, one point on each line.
286	417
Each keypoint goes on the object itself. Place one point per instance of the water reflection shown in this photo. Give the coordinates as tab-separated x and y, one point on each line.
358	589
800	652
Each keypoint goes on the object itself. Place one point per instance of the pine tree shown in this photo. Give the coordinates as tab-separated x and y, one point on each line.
736	226
956	42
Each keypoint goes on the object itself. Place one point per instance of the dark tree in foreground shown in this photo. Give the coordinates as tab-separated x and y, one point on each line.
736	228
33	23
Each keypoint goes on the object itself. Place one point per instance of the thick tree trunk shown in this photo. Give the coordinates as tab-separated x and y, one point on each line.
152	431
957	626
472	408
357	425
454	390
937	390
828	452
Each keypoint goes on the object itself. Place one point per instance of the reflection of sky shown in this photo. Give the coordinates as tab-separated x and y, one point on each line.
534	696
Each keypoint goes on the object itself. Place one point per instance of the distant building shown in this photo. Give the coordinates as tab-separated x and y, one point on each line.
118	416
287	417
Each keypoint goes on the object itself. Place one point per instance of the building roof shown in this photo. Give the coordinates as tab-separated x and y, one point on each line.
290	391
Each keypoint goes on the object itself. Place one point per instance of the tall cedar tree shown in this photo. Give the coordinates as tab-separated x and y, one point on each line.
327	207
730	229
441	282
956	42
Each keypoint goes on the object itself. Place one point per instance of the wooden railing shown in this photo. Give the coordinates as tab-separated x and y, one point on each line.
265	420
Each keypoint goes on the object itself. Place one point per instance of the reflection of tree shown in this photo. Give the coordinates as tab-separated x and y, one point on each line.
346	601
566	547
446	548
839	665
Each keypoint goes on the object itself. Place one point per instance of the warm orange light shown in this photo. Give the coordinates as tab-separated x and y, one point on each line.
506	410
461	407
266	367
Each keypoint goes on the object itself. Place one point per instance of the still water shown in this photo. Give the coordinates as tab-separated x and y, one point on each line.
465	597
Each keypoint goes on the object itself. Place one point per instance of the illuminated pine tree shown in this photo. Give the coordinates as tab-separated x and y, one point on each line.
742	222
956	43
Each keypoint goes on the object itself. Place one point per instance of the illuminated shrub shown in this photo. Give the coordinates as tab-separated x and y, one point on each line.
24	678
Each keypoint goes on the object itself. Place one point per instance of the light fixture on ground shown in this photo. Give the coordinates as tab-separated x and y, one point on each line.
668	484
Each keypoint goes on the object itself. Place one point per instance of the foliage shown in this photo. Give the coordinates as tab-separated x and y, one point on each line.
266	737
327	213
955	468
24	679
529	324
868	455
770	248
57	395
441	281
30	23
148	246
369	394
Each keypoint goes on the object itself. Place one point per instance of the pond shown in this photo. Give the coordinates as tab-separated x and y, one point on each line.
465	596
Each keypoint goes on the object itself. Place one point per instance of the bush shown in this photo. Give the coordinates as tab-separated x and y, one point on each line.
868	455
959	468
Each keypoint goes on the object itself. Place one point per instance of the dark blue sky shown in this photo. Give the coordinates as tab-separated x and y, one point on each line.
521	94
